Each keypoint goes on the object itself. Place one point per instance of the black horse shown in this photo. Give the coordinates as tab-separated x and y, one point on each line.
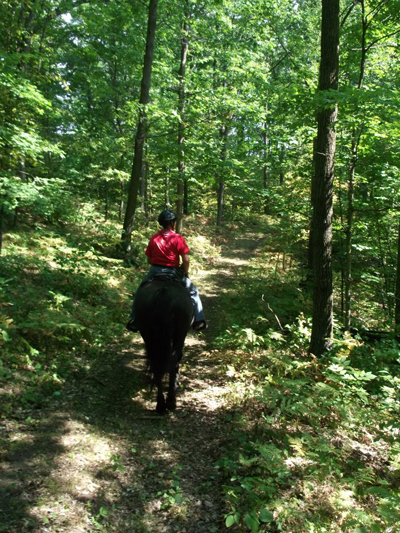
164	311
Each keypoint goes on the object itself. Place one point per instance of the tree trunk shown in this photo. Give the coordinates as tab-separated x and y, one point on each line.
167	202
322	327
121	203
143	189
397	292
141	128
220	201
310	253
349	234
265	170
181	127
221	186
266	187
351	184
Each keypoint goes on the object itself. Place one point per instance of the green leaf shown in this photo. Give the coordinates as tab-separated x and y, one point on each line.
247	462
266	516
179	499
232	519
252	523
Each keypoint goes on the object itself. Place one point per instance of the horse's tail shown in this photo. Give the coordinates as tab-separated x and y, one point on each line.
159	342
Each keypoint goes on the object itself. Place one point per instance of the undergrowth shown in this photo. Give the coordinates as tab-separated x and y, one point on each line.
314	442
65	297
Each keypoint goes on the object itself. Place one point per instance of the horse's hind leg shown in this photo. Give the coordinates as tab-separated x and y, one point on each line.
174	373
161	406
173	382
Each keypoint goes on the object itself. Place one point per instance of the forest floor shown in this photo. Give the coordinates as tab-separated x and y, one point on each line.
265	437
100	459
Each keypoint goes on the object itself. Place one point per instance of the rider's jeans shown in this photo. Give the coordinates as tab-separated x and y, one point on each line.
194	293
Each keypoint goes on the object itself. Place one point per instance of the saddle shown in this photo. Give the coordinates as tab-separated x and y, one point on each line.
164	277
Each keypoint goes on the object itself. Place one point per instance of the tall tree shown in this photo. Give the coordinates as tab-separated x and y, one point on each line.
322	327
141	127
25	109
221	185
182	182
397	290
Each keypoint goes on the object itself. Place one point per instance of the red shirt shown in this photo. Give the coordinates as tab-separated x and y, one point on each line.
165	247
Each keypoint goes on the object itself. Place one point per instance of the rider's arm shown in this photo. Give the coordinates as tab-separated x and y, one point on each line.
185	263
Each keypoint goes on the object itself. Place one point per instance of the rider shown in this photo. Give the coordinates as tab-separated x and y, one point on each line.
163	253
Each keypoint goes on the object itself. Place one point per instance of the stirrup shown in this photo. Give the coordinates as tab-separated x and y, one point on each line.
200	325
132	326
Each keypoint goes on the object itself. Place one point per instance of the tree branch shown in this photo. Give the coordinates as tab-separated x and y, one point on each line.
381	39
375	11
350	9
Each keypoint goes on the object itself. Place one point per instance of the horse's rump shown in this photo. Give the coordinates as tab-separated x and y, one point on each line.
163	312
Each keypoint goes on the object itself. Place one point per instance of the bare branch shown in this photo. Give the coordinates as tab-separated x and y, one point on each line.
273	312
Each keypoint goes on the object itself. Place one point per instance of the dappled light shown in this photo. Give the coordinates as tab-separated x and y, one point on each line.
262	429
237	151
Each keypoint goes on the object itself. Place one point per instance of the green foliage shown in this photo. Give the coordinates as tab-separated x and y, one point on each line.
62	302
174	495
303	466
117	463
69	86
315	445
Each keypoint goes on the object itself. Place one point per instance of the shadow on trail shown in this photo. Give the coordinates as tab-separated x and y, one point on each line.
31	458
151	462
163	483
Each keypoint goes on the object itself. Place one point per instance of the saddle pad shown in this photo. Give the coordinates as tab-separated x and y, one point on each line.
164	277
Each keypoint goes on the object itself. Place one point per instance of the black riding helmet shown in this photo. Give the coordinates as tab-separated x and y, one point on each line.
166	217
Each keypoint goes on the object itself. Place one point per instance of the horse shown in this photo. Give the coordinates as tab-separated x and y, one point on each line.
164	313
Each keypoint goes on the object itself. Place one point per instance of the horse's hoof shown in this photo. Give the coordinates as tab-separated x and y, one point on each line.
171	404
161	409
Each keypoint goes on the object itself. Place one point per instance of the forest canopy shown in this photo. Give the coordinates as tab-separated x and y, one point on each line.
228	132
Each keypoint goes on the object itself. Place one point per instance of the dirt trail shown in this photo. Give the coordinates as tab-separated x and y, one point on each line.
104	462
